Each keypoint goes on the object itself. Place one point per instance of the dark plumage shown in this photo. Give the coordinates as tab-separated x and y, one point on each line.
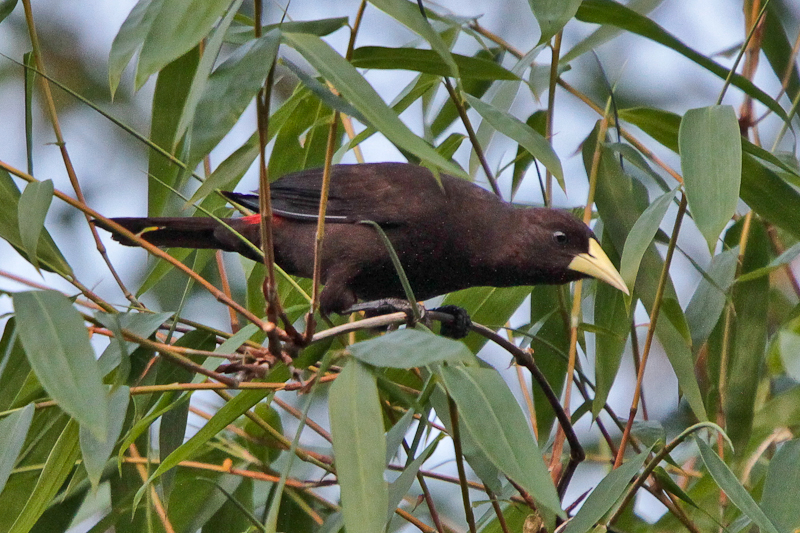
448	237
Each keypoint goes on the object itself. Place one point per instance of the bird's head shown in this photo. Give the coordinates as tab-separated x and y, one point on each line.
566	248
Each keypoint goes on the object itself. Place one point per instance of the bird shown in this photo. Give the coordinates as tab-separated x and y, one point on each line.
448	233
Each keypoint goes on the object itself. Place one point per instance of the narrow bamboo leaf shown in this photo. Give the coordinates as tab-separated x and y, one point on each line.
761	188
6	7
711	160
612	13
57	345
748	345
211	49
230	171
495	421
57	468
487	305
395	436
770	196
130	37
241	33
359	448
776	46
618	198
33	206
410	348
605	495
480	463
523	134
399	487
428	62
13	430
177	28
552	15
783	478
96	452
230	89
641	236
49	256
611	313
170	94
229	412
604	34
141	324
659	124
634	156
360	93
784	259
726	480
708	300
408	14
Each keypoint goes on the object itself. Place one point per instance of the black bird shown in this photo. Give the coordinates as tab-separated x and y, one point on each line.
449	235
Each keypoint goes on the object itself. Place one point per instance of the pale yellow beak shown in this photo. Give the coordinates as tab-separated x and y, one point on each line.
596	263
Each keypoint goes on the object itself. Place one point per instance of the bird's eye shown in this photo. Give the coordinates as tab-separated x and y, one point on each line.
560	237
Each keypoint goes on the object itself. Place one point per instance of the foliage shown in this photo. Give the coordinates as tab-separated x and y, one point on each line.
109	441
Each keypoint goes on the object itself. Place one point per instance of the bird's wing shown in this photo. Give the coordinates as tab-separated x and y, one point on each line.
386	193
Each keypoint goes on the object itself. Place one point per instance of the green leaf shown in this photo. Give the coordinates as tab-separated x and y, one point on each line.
606	33
13	431
48	255
428	62
496	423
354	88
241	33
711	160
749	340
33	206
783	478
229	412
408	14
605	495
141	324
770	196
172	89
359	448
129	38
6	7
641	235
618	199
523	134
60	462
614	14
552	15
410	348
57	345
96	452
761	188
611	313
211	49
400	486
785	258
726	480
708	300
178	27
230	89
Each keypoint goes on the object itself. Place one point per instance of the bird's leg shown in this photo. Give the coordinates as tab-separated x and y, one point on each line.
456	327
459	327
387	306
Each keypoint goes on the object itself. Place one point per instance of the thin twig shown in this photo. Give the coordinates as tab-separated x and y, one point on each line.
462	476
654	312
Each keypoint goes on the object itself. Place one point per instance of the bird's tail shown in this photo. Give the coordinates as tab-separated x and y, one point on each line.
180	232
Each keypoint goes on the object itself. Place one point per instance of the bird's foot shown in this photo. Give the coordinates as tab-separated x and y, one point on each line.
456	328
459	327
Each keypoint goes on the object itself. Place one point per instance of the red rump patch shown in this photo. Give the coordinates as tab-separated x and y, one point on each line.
256	219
